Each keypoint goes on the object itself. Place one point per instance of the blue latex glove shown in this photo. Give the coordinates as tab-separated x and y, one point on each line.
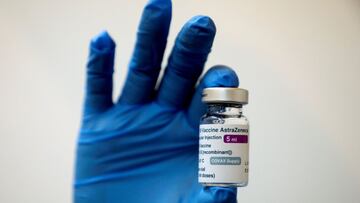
144	147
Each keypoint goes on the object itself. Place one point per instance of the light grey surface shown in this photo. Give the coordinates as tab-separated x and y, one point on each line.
298	59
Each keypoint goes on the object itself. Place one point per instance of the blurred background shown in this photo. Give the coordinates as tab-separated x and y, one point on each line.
300	61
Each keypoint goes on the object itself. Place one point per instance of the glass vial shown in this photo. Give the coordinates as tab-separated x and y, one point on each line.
224	138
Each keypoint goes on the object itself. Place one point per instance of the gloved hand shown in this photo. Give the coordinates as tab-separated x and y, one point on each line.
144	147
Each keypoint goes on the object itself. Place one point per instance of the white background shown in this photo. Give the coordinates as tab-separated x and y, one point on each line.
300	61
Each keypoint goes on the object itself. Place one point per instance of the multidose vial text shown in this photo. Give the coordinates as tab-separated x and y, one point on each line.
224	139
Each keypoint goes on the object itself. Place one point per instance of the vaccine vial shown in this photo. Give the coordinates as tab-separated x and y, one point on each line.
224	138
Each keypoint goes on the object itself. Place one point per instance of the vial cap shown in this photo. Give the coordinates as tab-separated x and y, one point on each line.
225	95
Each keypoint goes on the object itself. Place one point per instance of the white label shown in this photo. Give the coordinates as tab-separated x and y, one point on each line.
223	153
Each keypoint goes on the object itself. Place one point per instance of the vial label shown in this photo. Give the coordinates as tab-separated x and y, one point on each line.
223	153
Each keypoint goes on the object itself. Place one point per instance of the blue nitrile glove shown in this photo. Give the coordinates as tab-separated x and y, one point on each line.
144	147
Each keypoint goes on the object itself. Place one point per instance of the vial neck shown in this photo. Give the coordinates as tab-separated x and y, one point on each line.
225	109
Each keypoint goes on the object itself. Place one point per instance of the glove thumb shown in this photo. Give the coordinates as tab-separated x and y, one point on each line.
217	76
217	195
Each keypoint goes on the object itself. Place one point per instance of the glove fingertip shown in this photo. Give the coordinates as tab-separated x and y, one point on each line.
217	76
198	35
202	23
221	76
163	3
102	42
